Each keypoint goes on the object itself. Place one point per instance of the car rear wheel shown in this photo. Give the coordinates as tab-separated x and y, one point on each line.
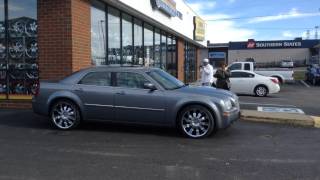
314	82
196	122
65	115
261	91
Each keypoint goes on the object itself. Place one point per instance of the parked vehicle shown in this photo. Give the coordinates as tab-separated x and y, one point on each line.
248	82
283	75
287	64
138	96
313	74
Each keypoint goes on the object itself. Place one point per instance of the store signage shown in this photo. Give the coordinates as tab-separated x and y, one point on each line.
199	29
270	44
217	55
168	7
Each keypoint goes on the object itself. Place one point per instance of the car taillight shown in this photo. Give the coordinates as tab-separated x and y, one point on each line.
275	81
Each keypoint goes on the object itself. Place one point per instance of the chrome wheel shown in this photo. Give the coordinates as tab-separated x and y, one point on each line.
64	115
196	122
261	91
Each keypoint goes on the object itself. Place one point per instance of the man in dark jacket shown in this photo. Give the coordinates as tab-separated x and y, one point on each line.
222	75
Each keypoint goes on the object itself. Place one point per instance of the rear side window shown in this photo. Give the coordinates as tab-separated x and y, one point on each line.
236	66
131	80
247	67
241	75
97	79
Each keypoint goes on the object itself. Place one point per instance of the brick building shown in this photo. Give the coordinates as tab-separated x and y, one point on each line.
49	39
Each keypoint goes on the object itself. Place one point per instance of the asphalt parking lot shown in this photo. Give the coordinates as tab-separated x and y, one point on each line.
295	95
32	149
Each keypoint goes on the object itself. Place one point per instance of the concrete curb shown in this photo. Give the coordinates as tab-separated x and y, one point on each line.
281	118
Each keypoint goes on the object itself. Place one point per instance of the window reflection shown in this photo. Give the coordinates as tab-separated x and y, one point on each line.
190	63
98	34
138	48
148	45
163	51
3	72
23	74
127	50
157	48
113	36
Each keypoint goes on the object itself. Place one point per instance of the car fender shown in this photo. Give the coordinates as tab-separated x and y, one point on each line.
67	95
213	107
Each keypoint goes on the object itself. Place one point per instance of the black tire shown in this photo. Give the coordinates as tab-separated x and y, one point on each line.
314	81
196	122
65	115
261	91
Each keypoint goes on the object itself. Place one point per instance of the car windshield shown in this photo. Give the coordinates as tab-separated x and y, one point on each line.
165	80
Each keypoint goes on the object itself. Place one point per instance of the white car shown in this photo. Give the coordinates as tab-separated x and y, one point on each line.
248	82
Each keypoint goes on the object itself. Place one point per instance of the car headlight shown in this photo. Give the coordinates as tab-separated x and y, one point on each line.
227	105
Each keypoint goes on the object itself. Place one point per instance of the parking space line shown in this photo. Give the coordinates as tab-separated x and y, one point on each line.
261	104
304	83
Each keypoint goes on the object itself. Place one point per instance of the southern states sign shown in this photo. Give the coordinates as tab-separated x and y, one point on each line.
199	28
167	6
251	44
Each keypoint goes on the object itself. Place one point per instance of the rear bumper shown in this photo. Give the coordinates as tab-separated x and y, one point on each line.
39	108
274	89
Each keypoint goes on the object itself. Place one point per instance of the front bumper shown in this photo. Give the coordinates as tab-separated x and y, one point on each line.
229	117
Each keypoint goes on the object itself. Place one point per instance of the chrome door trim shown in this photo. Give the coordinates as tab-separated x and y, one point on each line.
99	105
124	107
139	108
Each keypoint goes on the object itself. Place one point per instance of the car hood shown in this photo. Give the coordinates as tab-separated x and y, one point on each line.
207	91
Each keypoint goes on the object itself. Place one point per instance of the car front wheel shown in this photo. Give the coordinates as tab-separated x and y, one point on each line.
196	122
65	115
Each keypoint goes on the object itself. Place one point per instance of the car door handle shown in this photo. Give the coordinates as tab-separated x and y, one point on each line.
120	93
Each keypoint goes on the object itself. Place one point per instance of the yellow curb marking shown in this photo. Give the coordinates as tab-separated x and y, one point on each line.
316	121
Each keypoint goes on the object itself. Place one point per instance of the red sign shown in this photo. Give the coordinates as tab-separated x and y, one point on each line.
251	44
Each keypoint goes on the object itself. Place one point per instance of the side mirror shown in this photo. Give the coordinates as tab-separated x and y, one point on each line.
150	86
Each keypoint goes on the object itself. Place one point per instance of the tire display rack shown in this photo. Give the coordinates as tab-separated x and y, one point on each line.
19	72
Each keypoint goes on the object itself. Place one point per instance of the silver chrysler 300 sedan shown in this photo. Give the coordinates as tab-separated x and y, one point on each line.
136	95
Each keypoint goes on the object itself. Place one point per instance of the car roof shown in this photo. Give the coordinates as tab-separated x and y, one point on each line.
76	75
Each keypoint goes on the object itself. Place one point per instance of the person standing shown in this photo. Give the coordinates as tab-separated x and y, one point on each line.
223	75
206	71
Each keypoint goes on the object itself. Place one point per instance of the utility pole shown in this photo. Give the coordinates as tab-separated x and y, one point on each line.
308	34
316	32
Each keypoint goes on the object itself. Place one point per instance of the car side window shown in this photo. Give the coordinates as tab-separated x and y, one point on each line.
97	79
236	75
247	66
241	75
131	80
236	66
247	75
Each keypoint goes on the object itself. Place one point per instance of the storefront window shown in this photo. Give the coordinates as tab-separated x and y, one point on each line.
148	45
114	49
98	33
127	49
20	61
171	56
157	48
3	63
163	51
138	45
190	63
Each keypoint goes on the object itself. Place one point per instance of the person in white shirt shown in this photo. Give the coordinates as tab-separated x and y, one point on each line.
206	73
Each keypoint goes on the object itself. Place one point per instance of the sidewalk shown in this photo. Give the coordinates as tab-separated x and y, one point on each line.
282	118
